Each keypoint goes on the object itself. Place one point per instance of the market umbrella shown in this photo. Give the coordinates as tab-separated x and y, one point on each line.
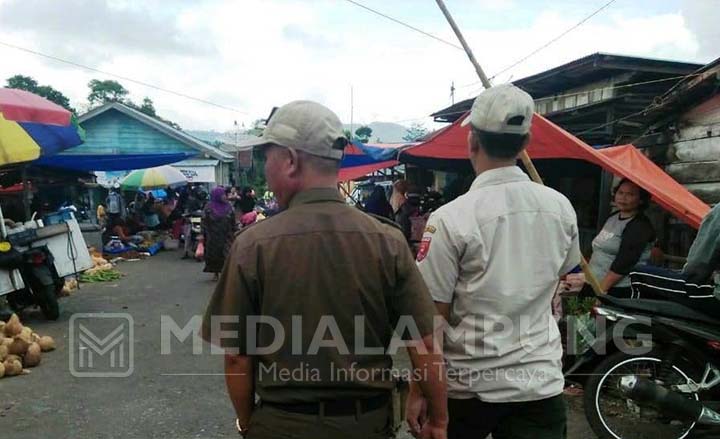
32	126
153	178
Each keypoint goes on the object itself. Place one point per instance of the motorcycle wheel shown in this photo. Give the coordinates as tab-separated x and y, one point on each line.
612	415
48	301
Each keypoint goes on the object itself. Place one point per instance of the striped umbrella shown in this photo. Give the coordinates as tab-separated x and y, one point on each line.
153	178
32	126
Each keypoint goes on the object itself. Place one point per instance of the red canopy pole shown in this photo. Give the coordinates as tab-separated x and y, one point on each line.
590	277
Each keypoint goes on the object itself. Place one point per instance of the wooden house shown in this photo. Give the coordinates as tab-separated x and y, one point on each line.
116	129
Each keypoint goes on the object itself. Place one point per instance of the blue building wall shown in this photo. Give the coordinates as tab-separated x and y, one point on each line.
113	132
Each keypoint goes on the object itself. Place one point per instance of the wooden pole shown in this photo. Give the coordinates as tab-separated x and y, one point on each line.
534	175
25	193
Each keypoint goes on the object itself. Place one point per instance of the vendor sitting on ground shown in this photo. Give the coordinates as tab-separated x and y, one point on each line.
150	211
117	227
624	241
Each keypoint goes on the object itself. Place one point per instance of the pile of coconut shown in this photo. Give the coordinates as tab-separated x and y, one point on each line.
20	347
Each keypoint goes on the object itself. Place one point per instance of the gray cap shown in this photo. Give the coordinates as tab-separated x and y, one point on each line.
306	126
504	109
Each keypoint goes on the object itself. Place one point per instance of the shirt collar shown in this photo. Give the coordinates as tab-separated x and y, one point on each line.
507	174
317	195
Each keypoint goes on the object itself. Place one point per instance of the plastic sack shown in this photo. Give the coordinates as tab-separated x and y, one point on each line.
200	251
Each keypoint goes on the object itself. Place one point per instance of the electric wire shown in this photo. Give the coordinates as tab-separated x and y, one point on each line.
124	78
402	23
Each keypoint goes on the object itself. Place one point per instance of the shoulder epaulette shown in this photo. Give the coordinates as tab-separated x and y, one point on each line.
385	221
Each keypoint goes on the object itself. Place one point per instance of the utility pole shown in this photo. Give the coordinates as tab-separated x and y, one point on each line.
452	93
352	109
237	151
534	175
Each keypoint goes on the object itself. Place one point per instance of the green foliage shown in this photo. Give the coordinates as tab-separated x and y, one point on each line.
148	107
416	131
258	180
28	83
576	306
347	134
363	133
258	127
102	92
22	82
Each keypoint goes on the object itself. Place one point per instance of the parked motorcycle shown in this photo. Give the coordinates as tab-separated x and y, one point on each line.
42	282
192	232
658	371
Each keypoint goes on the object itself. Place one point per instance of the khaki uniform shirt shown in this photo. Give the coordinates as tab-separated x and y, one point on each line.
335	281
496	255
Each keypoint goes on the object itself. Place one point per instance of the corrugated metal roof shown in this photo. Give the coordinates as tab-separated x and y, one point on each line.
160	126
197	162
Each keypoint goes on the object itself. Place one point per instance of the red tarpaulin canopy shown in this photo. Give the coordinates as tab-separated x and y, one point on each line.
548	141
347	174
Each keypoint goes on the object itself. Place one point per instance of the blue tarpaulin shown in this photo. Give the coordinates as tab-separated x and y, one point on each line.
121	162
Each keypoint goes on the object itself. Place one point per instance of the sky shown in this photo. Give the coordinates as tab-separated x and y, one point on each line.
251	55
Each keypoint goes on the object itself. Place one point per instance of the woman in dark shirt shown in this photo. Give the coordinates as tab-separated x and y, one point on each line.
624	241
377	203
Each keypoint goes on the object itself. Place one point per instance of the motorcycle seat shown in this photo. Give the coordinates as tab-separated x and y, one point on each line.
664	308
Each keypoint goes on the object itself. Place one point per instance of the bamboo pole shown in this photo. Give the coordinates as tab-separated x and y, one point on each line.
534	175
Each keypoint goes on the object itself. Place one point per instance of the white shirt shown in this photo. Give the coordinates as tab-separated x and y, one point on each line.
496	255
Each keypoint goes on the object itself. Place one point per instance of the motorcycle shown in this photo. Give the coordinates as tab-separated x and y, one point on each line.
656	371
192	232
42	283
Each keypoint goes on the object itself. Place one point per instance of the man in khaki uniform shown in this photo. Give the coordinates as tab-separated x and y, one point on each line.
307	303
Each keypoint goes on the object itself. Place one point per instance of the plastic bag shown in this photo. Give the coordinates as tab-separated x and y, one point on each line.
581	333
200	251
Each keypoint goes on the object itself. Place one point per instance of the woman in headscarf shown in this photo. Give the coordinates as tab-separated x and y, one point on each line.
218	229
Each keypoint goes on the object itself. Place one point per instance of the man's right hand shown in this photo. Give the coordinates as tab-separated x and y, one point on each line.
432	431
416	411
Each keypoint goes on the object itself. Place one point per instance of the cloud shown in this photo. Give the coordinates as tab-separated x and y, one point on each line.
701	17
497	5
307	39
257	54
95	31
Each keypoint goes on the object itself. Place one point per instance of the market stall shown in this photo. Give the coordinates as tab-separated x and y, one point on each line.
447	149
363	159
32	127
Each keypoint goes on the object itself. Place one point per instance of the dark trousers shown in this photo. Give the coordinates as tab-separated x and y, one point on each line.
475	419
268	422
657	283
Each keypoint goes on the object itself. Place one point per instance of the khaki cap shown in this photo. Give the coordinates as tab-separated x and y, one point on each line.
306	126
504	109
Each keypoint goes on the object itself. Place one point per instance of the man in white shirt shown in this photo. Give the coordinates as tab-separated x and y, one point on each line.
492	260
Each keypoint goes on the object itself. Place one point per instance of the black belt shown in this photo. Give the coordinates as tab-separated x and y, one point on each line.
338	407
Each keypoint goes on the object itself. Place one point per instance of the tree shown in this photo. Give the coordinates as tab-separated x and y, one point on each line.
148	107
347	134
22	82
258	127
28	83
102	92
363	133
416	131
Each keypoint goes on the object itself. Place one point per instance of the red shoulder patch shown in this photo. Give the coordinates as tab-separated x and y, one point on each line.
423	249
